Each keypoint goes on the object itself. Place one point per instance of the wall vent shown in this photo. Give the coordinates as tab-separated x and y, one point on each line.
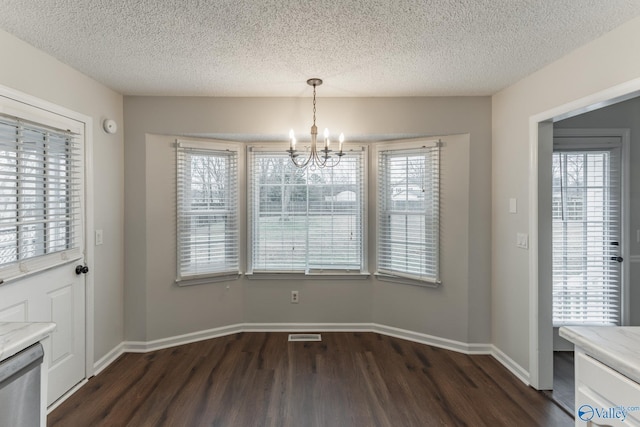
305	337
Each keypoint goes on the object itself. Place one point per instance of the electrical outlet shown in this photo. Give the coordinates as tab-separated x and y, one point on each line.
294	297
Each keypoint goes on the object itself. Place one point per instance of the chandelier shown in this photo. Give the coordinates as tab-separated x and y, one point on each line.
323	157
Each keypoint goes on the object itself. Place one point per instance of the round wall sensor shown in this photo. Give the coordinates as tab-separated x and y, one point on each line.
110	126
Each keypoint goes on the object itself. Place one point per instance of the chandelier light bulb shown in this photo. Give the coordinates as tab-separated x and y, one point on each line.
292	140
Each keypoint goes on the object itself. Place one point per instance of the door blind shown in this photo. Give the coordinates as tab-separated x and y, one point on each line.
40	185
306	220
586	237
408	217
207	181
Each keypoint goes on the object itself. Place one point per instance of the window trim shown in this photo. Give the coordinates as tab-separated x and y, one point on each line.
254	274
399	277
213	146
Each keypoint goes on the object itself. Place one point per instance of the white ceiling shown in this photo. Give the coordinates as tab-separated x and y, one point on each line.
271	47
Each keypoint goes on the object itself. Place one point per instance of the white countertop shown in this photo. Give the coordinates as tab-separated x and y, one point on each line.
615	346
16	336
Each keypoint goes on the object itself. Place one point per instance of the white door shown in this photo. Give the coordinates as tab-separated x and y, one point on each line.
42	233
587	231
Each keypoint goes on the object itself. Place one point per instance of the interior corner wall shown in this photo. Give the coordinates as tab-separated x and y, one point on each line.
444	311
151	124
31	71
602	64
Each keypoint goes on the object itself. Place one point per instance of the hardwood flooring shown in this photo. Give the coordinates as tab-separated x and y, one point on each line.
564	380
348	379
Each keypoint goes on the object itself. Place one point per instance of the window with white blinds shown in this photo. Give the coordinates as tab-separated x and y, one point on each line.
207	217
40	185
408	211
307	220
586	237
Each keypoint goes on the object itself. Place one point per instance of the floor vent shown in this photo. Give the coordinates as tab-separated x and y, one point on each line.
305	337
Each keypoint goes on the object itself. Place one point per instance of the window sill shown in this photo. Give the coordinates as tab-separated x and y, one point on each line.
407	281
208	280
306	276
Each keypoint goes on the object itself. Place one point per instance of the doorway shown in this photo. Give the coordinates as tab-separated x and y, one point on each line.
587	242
588	246
540	217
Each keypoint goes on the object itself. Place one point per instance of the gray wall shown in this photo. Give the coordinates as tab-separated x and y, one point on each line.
622	115
156	308
608	64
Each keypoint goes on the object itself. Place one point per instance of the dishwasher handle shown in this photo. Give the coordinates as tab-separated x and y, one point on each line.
19	361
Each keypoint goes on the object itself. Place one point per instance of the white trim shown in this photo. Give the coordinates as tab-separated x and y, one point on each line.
295	275
89	242
87	121
511	365
108	358
432	340
307	327
591	102
147	346
212	148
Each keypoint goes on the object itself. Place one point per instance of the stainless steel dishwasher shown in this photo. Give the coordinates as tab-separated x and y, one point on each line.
20	388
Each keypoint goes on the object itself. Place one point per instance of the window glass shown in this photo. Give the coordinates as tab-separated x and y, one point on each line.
307	219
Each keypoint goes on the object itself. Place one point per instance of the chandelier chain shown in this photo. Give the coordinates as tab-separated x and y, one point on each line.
314	105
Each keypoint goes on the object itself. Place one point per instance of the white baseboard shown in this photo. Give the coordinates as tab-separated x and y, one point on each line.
307	327
108	359
511	365
445	343
146	346
432	340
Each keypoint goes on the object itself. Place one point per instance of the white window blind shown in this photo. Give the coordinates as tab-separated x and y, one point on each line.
40	184
207	191
305	220
408	212
586	237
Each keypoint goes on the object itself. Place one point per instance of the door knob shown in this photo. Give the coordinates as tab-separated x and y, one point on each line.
82	269
617	258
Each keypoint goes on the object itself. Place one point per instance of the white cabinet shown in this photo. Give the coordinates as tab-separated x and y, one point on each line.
604	397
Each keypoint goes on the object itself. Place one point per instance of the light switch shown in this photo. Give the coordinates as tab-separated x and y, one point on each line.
513	205
99	237
522	240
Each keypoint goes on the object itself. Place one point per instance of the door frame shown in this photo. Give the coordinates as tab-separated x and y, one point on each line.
88	204
541	141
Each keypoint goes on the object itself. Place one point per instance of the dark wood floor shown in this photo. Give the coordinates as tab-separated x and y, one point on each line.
564	380
348	379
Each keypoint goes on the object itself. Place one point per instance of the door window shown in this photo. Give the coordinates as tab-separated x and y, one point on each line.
586	237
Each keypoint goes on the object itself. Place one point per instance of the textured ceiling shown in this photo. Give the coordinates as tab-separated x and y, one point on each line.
271	47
